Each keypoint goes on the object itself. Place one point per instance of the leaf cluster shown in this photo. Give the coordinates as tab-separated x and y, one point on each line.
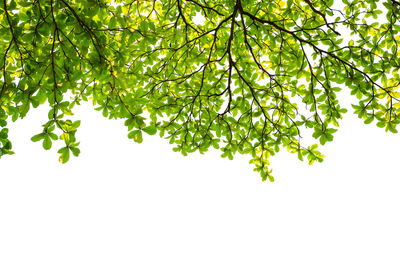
240	76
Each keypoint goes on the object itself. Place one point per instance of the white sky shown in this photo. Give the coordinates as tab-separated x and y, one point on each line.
126	204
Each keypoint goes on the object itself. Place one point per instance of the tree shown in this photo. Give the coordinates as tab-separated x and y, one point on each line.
241	76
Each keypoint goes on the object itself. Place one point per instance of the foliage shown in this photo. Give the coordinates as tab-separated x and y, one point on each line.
250	77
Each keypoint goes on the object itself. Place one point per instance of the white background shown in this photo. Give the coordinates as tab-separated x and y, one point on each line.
127	204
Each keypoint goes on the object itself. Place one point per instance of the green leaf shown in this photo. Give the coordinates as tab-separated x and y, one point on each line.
64	157
53	136
151	130
381	124
132	134
76	124
136	136
323	139
47	142
75	151
369	120
391	127
38	137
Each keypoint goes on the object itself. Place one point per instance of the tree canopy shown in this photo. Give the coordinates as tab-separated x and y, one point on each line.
243	76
